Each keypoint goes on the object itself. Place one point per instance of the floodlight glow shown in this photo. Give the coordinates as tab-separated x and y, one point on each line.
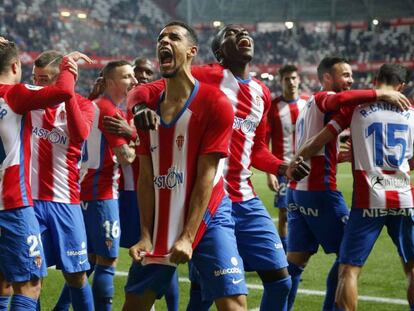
82	15
375	22
264	75
217	23
289	25
65	13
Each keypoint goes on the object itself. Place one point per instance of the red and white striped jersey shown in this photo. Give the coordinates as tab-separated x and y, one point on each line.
203	126
129	176
56	154
281	125
15	128
382	145
101	180
251	102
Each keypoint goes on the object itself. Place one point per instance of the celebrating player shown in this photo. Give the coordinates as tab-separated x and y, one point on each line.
282	118
99	187
317	211
382	191
184	211
21	252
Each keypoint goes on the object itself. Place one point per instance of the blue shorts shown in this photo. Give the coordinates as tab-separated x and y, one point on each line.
215	257
316	218
280	200
63	235
257	239
364	227
129	218
21	251
102	227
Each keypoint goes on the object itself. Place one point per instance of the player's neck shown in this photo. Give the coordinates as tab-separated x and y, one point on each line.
7	79
115	98
386	87
239	70
179	88
290	96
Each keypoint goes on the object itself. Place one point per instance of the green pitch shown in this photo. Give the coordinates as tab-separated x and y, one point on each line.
382	282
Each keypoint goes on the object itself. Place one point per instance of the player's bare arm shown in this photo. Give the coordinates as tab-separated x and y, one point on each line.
145	118
272	182
125	154
146	198
182	250
117	125
393	97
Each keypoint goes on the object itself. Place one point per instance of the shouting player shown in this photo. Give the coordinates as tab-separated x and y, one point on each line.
184	211
317	211
282	118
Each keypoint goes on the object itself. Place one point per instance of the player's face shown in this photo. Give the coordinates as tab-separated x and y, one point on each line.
290	83
341	77
174	50
122	80
144	71
237	45
44	76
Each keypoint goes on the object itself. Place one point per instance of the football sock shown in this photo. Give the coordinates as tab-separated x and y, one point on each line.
103	287
82	299
295	273
411	307
331	284
171	296
4	303
336	308
196	302
284	242
23	303
275	295
64	300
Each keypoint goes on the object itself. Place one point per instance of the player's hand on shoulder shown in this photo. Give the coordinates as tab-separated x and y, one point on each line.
297	169
394	97
138	250
182	251
117	125
145	118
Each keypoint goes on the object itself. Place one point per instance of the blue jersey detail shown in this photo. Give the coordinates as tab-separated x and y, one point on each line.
21	167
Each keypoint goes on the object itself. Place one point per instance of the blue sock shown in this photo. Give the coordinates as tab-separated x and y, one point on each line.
331	284
295	273
4	303
196	303
284	242
103	287
275	295
411	307
38	305
82	298
64	301
22	303
171	296
335	308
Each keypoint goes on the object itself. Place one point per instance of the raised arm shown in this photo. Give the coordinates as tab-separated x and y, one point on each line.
80	114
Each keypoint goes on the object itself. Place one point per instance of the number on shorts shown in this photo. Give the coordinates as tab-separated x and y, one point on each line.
111	230
33	242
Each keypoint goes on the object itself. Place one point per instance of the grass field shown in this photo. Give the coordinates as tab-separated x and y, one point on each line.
382	276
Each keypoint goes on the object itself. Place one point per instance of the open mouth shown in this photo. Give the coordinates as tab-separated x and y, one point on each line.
244	43
165	57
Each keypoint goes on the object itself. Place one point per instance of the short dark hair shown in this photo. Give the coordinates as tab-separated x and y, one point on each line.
109	67
216	43
139	60
48	58
191	32
287	69
9	52
327	64
392	74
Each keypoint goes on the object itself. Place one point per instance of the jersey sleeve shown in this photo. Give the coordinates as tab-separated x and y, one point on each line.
145	93
330	101
107	109
341	120
142	146
220	126
23	98
262	159
80	114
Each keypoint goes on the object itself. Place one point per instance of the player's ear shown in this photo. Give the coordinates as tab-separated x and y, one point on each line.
192	51
401	87
327	77
15	67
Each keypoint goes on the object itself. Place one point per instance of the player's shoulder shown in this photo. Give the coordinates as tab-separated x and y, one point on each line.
277	100
304	97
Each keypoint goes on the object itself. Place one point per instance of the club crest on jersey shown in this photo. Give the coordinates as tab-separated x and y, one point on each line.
170	180
259	101
179	142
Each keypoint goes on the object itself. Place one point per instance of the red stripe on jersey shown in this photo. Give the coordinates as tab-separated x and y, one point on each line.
277	134
392	199
73	172
362	190
317	174
45	163
294	112
166	159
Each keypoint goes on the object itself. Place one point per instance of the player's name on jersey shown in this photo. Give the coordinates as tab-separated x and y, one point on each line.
382	106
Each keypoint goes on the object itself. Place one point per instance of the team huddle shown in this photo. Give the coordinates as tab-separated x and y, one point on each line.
163	168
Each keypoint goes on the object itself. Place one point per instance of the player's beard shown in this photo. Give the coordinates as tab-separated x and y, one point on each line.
169	74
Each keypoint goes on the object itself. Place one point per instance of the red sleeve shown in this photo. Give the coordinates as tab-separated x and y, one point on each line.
220	126
330	101
23	98
143	146
144	93
262	158
341	120
108	109
80	114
